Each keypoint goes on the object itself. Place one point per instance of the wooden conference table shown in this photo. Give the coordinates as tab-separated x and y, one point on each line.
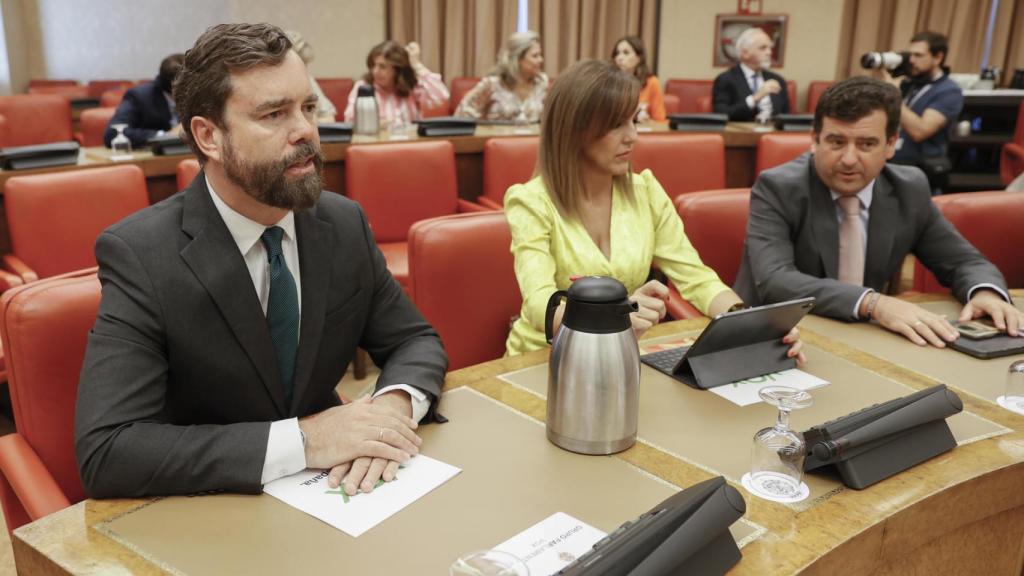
959	513
740	156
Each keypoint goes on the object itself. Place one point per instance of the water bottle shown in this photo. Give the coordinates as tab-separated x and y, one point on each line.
367	120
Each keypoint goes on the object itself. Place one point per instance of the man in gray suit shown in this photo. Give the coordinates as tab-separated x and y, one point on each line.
230	311
836	224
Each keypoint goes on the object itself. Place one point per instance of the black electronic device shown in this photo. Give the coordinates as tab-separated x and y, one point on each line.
167	145
688	533
794	122
446	126
735	346
879	441
698	122
39	155
987	348
333	132
84	102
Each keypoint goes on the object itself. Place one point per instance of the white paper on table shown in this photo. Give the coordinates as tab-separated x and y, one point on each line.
308	491
744	392
552	544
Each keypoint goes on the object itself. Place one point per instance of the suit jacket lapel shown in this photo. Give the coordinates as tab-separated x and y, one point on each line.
742	82
315	249
882	224
824	223
213	257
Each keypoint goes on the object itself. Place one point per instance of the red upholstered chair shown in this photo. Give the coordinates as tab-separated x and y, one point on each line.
39	82
66	92
464	283
682	162
507	161
716	224
44	326
776	149
436	111
1011	160
112	97
54	219
336	90
689	92
36	119
672	105
94	124
3	129
991	221
96	88
186	172
398	185
814	91
460	87
704	105
791	94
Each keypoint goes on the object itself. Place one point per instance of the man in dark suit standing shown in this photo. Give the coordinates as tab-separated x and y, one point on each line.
148	109
749	89
231	310
836	224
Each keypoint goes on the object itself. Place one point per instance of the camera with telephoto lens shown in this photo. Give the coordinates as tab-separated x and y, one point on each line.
897	63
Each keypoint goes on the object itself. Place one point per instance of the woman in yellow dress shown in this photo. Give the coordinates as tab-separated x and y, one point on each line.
586	213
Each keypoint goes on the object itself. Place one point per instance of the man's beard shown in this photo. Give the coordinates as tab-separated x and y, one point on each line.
266	182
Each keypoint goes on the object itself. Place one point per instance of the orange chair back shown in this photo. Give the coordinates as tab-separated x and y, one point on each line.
112	97
336	90
36	119
814	91
39	82
672	104
991	221
65	92
716	224
464	283
689	92
399	184
791	94
96	88
460	87
508	161
54	219
682	162
438	110
187	172
44	326
94	124
776	149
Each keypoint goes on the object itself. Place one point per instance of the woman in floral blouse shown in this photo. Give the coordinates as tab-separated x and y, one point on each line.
516	88
401	84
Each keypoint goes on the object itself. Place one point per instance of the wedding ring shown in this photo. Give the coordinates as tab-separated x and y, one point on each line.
918	323
380	436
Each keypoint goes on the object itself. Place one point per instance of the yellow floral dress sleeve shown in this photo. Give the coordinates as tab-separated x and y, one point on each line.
531	217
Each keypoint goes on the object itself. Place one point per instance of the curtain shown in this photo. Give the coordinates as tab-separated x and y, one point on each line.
888	25
456	37
572	30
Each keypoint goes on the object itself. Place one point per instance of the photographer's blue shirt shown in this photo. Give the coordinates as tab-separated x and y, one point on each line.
945	97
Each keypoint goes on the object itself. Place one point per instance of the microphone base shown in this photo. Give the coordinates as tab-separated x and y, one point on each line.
862	466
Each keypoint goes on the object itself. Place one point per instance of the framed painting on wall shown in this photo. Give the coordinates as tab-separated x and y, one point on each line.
728	28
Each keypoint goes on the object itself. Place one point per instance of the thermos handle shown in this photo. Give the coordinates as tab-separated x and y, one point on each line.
549	315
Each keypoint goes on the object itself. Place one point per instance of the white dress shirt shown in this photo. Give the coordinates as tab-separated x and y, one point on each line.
865	197
286	453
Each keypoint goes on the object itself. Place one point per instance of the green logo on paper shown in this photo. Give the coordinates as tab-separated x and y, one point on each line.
345	497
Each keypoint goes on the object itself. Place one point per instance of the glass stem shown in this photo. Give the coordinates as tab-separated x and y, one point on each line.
782	423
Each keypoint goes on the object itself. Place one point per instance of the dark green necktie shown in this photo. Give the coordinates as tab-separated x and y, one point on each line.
282	309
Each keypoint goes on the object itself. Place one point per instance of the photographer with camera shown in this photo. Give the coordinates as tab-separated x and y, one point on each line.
931	105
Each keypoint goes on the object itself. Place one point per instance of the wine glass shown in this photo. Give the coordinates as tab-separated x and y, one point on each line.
489	563
120	145
1013	396
763	120
777	462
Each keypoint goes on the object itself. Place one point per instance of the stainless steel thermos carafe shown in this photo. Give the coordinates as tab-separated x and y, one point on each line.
594	371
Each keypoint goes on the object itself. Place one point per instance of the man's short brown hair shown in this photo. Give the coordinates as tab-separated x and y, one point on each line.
854	98
203	84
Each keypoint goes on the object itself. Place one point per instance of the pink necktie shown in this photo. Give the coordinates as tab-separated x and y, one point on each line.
851	245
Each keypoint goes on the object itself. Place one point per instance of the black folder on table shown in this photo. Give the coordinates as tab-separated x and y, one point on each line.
39	156
168	145
83	103
885	439
698	122
735	346
794	122
446	126
333	132
688	533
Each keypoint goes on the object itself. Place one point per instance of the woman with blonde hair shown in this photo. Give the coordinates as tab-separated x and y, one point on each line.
586	213
631	57
401	83
516	88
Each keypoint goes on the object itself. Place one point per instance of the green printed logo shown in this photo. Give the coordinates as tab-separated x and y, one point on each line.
345	497
758	380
